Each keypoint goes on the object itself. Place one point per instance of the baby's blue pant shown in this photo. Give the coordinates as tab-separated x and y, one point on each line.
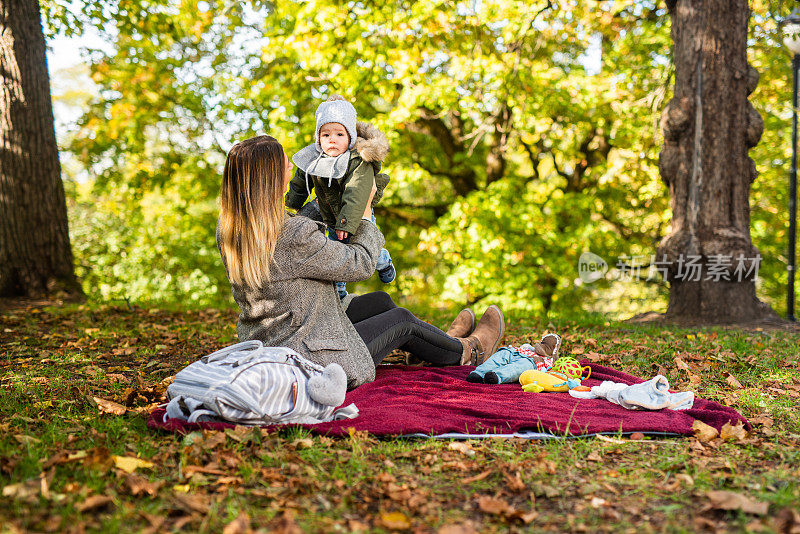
384	259
506	364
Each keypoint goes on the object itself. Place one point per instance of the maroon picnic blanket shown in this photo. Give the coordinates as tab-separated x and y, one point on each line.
436	400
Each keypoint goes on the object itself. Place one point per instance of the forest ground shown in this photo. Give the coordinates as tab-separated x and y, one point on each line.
77	382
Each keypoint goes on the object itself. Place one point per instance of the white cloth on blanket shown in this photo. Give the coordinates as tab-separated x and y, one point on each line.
651	395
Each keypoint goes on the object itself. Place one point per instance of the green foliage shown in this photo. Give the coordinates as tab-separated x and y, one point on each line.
769	199
513	151
159	251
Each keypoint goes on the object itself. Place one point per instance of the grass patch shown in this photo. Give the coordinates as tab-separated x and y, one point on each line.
60	466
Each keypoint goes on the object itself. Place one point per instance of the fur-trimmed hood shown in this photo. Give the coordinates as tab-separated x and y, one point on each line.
371	144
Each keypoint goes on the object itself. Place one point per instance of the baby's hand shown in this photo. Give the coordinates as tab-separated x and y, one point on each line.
341	234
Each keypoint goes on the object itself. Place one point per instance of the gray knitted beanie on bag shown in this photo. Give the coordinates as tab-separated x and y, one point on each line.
340	111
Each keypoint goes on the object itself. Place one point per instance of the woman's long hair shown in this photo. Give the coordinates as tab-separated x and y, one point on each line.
251	211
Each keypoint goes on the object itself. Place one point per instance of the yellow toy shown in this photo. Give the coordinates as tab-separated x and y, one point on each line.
537	381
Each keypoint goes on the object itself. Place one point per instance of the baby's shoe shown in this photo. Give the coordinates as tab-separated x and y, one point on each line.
548	346
387	274
475	378
491	378
341	289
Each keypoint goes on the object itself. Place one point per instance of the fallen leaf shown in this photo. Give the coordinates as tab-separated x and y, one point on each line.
476	478
733	432
462	446
24	439
230	480
140	485
178	525
593	356
156	522
240	525
787	521
385	477
398	493
607	439
637	436
94	502
464	528
28	490
303	443
394	521
594	457
129	464
729	500
598	502
98	458
731	380
514	482
527	518
680	364
116	376
490	505
544	490
213	439
242	434
762	420
107	406
194	503
704	432
64	457
353	525
694	380
754	526
189	470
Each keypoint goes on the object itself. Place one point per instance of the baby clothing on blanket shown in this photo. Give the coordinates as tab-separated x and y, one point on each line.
651	395
507	364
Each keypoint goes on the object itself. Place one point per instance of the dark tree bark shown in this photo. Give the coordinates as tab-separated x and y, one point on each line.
35	255
708	127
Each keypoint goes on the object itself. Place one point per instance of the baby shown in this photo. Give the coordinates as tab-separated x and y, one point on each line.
341	166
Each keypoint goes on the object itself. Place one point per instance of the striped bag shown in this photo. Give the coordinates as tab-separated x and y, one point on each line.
248	383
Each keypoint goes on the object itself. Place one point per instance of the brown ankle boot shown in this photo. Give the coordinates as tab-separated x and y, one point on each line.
471	352
463	324
485	340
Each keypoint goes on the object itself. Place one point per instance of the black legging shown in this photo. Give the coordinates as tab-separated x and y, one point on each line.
384	327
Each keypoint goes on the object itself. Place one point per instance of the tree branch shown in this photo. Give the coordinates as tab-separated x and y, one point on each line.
407	216
496	158
535	159
429	123
591	158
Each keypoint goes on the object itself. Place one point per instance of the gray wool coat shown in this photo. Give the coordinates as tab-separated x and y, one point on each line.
299	307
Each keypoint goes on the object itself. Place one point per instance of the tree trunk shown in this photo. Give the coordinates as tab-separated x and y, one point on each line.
35	255
708	128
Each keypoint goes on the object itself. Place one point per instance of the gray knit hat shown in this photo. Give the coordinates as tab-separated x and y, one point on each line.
340	111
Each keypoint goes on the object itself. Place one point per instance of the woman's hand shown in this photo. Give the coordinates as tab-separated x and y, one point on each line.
368	209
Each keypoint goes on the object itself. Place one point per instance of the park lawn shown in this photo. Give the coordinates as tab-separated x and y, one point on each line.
71	461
